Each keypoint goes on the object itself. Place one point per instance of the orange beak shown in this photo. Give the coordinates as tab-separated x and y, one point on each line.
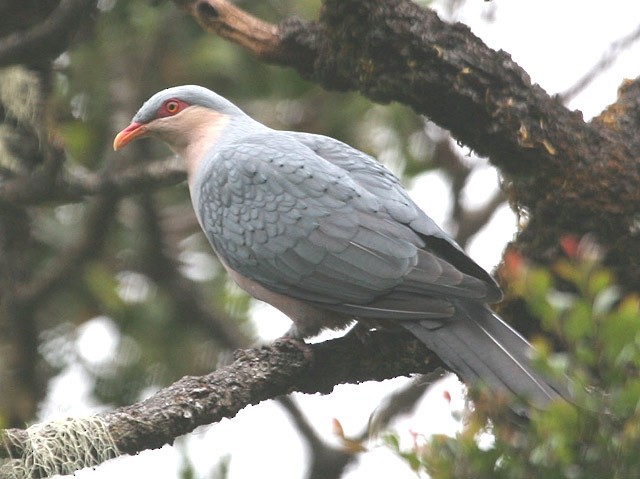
130	133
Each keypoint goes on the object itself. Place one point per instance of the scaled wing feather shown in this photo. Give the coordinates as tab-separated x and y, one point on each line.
300	225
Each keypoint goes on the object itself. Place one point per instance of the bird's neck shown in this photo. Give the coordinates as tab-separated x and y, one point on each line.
219	133
198	134
213	134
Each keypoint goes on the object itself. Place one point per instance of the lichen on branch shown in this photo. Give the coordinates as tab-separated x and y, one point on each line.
255	375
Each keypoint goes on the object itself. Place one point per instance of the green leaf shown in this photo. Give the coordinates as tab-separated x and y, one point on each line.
578	321
392	441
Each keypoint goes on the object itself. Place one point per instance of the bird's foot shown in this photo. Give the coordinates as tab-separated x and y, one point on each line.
293	339
361	331
372	335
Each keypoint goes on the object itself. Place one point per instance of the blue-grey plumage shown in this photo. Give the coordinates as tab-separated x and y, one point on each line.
190	94
327	234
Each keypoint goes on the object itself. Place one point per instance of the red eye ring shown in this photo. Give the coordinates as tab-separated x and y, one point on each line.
171	107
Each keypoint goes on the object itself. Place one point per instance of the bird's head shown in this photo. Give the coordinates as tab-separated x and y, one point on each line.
181	116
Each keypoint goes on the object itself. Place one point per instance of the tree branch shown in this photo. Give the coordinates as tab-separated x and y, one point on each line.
394	50
230	22
21	383
48	39
91	242
76	185
256	375
409	57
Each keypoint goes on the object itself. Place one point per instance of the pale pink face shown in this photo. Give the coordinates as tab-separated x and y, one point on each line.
189	130
168	108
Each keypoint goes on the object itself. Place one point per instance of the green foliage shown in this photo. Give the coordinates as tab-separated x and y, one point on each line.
598	434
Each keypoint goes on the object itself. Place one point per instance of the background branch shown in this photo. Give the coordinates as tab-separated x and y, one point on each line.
467	221
605	61
327	462
92	239
47	39
77	184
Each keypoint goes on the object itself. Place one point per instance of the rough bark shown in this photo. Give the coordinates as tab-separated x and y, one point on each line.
567	176
254	376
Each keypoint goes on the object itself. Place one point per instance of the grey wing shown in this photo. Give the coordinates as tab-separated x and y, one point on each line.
378	180
373	176
281	215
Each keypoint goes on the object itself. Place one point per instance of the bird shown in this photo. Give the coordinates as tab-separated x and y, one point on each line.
328	235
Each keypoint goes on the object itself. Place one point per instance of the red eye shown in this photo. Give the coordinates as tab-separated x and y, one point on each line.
171	107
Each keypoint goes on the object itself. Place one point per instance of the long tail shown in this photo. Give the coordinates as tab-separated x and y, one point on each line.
483	349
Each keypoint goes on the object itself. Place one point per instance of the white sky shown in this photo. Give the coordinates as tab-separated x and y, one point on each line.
556	42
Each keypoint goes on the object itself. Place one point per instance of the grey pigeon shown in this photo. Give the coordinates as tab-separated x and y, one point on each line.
326	234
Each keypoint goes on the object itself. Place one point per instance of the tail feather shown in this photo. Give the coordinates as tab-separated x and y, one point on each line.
483	349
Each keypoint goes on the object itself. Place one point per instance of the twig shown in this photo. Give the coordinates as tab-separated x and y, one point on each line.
326	462
470	221
605	61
